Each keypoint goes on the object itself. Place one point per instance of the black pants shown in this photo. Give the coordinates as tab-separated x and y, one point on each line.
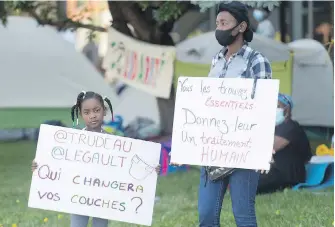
272	182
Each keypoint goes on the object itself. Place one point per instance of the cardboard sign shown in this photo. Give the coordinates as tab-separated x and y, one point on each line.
145	66
217	123
95	174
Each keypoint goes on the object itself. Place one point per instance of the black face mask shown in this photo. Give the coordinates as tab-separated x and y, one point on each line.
224	37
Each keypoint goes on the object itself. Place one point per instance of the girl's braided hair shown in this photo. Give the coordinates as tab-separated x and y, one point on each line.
88	95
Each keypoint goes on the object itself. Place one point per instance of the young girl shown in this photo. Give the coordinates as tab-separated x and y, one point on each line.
91	107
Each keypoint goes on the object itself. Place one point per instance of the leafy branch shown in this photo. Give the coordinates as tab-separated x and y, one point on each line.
45	13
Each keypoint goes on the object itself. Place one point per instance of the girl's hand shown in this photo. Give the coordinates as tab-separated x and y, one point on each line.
34	166
158	169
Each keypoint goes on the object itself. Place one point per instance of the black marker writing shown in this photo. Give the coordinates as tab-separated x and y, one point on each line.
205	89
104	203
49	196
220	140
116	144
241	126
185	137
184	87
44	172
191	118
239	92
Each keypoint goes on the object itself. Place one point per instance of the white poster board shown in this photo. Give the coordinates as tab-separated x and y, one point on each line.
147	67
95	174
216	123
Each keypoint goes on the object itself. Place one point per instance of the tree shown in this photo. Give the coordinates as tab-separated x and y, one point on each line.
152	22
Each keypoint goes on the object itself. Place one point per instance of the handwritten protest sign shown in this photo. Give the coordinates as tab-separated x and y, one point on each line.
216	123
145	66
95	174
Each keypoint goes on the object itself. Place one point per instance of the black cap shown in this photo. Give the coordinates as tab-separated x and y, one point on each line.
237	9
240	12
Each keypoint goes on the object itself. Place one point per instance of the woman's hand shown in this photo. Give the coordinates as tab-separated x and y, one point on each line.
263	171
34	166
267	171
174	164
158	169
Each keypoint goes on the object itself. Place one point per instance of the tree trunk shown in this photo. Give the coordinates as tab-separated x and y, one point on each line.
118	21
3	13
146	30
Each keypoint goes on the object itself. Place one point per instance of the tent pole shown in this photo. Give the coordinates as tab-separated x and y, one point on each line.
282	19
297	14
310	20
212	18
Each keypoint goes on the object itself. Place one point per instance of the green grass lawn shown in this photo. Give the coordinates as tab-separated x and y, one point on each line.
176	208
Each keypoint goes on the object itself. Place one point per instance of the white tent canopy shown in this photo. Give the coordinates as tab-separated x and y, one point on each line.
39	69
134	103
312	88
202	48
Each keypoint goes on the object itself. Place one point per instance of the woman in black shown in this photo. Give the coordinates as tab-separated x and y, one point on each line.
292	151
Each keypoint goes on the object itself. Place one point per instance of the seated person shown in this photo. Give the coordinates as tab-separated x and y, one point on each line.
291	151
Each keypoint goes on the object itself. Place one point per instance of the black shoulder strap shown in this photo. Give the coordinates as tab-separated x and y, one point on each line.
248	71
253	53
